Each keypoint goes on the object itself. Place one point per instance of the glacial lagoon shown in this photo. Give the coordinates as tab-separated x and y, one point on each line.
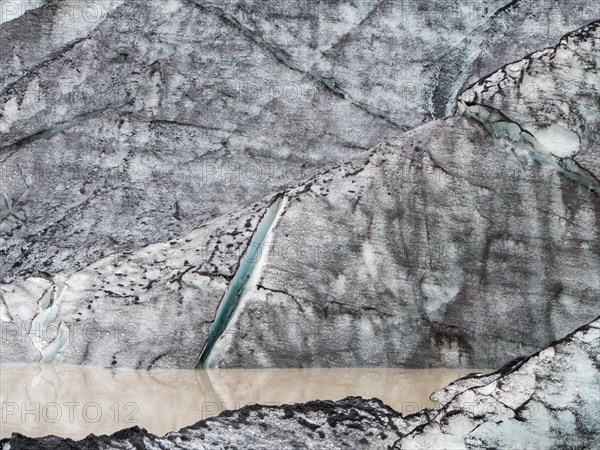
73	402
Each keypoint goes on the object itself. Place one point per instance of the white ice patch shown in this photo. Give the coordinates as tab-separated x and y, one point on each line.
488	389
559	141
370	260
4	315
436	296
50	352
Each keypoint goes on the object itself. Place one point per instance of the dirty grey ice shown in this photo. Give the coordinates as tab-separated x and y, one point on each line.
295	183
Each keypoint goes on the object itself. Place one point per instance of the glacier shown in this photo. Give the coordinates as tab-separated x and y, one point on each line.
262	184
436	248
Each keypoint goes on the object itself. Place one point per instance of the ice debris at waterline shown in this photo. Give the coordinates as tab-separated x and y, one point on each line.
546	401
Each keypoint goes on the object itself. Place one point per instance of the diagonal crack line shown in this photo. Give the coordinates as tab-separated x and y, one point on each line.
364	20
245	278
500	126
574	166
58	128
284	58
53	56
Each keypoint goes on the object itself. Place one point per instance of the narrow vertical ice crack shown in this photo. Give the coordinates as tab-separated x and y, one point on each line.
245	277
47	311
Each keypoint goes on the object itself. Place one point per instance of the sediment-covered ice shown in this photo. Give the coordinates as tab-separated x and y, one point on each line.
458	244
124	124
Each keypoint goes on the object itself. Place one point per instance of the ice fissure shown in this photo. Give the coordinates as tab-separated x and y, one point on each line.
48	310
244	278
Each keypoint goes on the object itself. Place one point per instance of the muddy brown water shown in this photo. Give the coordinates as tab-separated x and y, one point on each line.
76	401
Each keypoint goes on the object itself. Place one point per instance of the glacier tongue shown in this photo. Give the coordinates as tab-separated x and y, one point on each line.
386	259
231	185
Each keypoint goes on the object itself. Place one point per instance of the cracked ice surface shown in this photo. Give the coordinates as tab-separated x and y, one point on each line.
384	260
13	9
552	94
252	96
548	401
440	248
54	29
147	309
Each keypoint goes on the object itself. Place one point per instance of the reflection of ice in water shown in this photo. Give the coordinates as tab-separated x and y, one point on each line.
47	381
75	401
